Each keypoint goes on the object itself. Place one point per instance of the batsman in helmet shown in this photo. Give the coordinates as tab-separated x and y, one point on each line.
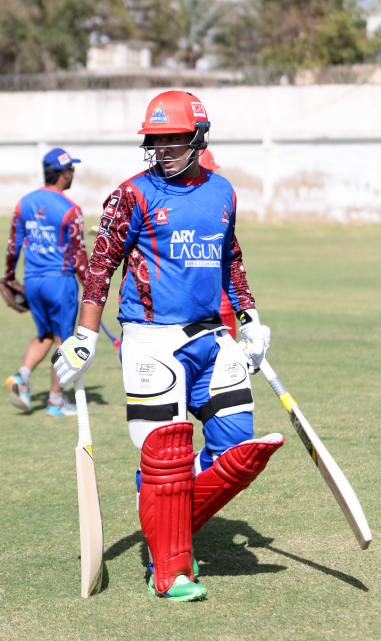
173	225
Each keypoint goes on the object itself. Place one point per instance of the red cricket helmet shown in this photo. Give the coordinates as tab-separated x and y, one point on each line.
207	160
174	112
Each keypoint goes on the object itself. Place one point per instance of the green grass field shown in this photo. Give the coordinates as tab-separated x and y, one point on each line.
280	562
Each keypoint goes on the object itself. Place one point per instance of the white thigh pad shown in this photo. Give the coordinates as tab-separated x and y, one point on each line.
230	388
154	381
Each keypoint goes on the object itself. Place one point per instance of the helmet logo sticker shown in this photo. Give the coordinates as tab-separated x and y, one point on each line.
161	216
198	109
158	115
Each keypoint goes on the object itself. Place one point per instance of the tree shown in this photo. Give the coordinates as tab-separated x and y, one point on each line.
179	28
294	33
45	35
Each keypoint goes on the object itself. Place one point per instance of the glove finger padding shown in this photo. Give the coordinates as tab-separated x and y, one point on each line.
13	293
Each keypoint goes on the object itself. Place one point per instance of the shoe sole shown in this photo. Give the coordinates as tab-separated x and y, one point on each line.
60	415
196	596
14	395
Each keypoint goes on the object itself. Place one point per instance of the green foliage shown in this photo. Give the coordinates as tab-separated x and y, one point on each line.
45	35
179	28
289	33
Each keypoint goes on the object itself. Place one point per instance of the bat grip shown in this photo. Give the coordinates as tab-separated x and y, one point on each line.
84	433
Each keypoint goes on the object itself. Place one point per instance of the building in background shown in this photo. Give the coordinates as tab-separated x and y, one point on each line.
119	56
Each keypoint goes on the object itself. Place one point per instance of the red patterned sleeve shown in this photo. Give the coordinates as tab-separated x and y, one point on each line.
77	244
234	279
109	247
15	243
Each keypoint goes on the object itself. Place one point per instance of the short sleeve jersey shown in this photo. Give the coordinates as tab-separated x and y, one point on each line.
179	248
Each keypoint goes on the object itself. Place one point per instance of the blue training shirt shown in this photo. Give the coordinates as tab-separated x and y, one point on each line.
49	227
179	248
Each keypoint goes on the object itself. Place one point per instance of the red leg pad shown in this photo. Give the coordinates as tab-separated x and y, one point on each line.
165	504
230	473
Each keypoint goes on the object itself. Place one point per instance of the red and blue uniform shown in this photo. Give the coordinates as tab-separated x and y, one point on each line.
179	248
49	227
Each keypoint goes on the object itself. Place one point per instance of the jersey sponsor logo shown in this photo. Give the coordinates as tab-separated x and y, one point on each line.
63	159
43	234
161	216
198	109
225	217
40	214
104	227
158	115
204	254
112	207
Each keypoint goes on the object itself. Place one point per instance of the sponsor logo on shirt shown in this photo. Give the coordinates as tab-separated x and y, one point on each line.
40	214
158	115
198	109
196	254
112	207
104	226
161	216
225	217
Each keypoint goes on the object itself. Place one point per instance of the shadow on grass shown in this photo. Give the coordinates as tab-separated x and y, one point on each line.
92	396
219	554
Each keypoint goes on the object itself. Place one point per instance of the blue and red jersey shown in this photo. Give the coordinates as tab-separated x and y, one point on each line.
179	248
49	227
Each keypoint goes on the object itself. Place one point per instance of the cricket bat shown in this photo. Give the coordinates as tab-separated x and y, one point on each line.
327	466
90	518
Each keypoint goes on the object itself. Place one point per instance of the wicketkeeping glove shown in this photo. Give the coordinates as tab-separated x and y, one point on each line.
255	337
13	293
74	356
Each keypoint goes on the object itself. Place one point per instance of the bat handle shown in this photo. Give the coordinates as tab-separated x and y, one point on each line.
84	433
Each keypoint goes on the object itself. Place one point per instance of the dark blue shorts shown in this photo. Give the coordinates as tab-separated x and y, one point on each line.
221	432
53	301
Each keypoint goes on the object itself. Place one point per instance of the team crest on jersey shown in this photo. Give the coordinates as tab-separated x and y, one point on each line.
161	216
40	214
225	217
112	207
198	109
158	115
104	227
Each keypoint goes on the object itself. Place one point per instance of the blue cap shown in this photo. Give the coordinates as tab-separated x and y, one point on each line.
58	158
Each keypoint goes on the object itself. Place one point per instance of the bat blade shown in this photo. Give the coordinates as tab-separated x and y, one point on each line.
327	466
90	521
334	477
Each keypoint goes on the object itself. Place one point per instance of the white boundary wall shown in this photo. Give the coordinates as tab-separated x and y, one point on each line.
300	153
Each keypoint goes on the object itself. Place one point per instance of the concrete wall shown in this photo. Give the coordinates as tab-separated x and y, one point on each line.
296	153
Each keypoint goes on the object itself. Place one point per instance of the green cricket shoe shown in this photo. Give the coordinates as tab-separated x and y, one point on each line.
183	589
196	570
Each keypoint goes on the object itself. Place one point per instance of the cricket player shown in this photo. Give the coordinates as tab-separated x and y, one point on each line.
173	225
49	227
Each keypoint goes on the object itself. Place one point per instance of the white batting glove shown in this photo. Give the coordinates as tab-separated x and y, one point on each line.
255	337
74	356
